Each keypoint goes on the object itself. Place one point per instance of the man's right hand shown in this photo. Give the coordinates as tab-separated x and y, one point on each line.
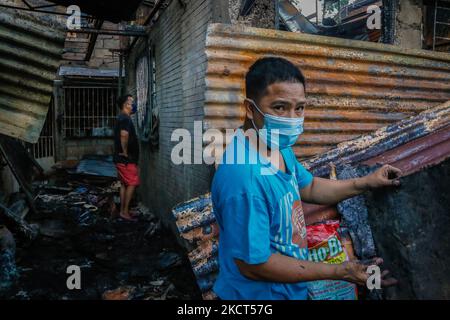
356	272
123	155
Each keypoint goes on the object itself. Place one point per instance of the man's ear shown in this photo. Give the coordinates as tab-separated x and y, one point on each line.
248	109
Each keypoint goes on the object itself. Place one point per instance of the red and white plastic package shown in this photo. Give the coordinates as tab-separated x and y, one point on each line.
325	245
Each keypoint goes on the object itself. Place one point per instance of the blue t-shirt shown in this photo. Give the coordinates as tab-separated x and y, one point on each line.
259	213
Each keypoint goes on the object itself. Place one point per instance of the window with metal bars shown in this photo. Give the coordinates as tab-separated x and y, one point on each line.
437	25
89	111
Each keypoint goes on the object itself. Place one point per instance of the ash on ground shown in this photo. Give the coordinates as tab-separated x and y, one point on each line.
118	260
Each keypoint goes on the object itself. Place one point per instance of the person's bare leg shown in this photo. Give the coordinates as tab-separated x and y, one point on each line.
122	197
128	196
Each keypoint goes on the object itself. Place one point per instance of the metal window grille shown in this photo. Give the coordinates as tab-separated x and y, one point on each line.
45	147
441	23
89	111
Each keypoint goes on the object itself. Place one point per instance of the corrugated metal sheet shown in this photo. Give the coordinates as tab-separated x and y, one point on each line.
410	144
353	87
417	154
197	226
31	46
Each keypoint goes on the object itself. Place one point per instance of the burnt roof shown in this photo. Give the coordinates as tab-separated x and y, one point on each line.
111	10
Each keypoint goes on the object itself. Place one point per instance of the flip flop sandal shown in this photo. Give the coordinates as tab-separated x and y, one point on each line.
90	207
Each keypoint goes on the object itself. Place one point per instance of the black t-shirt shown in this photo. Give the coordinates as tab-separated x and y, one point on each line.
124	122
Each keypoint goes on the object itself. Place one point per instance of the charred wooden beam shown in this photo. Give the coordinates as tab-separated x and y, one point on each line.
93	40
130	31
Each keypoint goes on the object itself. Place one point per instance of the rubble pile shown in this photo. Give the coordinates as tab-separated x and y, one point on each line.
78	224
82	205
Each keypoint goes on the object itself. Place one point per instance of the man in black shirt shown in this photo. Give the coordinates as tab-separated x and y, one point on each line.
126	155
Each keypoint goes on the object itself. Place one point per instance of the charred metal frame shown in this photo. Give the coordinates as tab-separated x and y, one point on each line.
388	18
92	40
131	31
152	14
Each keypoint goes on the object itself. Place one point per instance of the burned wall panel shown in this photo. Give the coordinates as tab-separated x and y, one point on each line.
411	227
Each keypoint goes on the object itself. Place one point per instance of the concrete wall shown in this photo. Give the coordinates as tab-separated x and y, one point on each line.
102	57
179	39
46	163
75	149
409	24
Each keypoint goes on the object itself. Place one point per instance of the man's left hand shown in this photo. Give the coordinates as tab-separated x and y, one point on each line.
385	176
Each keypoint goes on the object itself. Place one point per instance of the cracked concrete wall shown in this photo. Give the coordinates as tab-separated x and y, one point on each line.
409	24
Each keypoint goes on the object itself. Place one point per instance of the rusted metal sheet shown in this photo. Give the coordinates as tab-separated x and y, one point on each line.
31	46
353	87
197	226
400	136
417	154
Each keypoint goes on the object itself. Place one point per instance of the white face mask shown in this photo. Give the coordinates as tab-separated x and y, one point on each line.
287	130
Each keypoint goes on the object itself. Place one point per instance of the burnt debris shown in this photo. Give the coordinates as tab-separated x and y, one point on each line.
410	227
77	221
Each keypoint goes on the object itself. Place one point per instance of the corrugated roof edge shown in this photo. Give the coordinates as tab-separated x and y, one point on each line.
353	87
218	28
31	46
44	25
382	140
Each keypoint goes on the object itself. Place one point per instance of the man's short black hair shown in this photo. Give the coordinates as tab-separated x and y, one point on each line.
121	101
267	71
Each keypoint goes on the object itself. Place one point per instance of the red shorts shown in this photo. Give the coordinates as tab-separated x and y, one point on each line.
128	174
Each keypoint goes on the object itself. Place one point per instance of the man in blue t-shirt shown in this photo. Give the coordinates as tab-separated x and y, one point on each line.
257	192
